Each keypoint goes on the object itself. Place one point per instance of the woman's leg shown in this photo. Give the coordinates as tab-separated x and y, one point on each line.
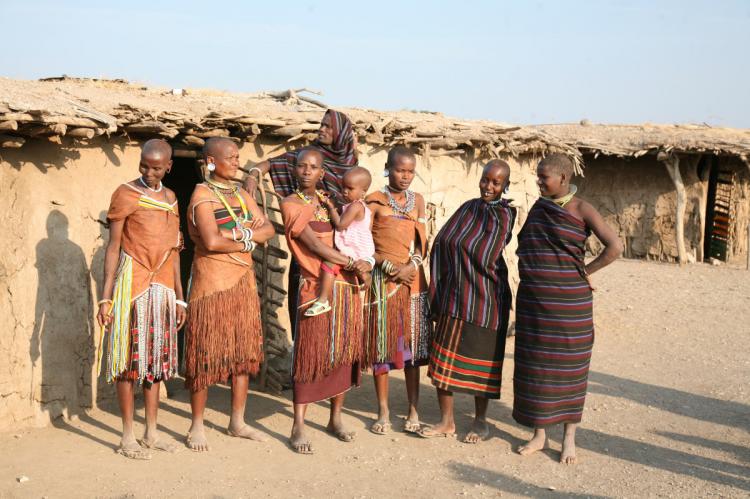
568	455
335	425
538	442
383	424
237	426
298	439
480	430
196	438
447	425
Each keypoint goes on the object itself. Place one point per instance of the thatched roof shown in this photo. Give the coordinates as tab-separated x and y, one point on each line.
83	109
638	140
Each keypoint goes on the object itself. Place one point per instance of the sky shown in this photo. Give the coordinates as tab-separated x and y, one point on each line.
512	61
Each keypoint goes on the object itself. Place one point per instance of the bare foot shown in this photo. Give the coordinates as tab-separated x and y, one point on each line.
568	454
438	430
130	448
245	431
196	439
299	441
538	442
480	430
338	430
158	443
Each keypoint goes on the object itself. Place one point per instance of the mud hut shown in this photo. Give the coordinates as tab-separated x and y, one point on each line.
65	145
676	193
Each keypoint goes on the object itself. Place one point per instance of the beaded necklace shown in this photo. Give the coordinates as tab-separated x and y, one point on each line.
321	212
408	205
144	184
563	200
219	189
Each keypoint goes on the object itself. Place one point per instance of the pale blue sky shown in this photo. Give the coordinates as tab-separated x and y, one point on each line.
514	61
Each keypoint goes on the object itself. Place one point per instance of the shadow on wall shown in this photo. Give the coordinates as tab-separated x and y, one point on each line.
62	348
104	393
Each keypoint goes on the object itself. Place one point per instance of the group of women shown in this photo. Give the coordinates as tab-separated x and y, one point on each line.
456	325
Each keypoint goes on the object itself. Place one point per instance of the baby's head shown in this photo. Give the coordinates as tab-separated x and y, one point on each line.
355	184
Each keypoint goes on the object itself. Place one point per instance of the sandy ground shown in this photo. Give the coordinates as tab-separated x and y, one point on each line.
668	414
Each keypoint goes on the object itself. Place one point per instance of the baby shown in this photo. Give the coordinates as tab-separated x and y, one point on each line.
353	237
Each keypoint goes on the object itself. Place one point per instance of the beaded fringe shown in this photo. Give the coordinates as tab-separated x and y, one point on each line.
327	341
395	314
223	335
152	317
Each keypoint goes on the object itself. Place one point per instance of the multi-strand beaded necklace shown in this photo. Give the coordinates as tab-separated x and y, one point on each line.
404	209
219	190
321	212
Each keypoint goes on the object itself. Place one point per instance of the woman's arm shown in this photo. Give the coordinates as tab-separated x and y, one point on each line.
264	231
608	237
210	235
311	242
180	312
111	259
251	181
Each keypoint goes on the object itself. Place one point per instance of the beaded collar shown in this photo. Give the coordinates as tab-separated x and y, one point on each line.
408	205
321	212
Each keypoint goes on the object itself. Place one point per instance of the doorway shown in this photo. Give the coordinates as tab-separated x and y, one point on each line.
718	210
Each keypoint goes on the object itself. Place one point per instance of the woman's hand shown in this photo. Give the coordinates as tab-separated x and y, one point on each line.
103	317
181	315
255	223
362	266
250	184
405	274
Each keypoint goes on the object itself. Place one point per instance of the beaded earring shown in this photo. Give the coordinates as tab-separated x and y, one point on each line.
211	167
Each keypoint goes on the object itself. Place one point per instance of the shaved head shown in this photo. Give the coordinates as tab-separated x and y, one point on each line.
498	164
558	163
360	176
156	149
310	151
215	145
399	152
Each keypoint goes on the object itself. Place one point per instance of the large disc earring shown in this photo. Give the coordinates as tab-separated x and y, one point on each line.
211	167
386	173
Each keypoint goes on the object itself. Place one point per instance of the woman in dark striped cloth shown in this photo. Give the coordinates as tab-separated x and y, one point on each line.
471	303
554	319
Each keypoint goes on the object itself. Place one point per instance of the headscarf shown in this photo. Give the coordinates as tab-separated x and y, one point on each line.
338	158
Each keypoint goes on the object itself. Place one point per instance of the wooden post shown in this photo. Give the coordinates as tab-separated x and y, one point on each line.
747	248
263	381
672	164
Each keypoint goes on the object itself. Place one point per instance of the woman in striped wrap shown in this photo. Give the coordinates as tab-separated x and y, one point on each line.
470	300
554	320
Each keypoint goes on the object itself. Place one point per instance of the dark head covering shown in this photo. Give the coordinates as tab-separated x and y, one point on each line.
338	158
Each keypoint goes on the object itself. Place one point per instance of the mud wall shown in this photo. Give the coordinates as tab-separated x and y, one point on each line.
637	198
51	199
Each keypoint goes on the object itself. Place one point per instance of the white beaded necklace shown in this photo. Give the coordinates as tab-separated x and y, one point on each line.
149	187
408	206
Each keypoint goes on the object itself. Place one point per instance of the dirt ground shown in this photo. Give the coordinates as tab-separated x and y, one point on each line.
668	414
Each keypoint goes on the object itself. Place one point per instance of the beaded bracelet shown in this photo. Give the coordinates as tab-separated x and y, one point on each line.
370	260
349	264
181	303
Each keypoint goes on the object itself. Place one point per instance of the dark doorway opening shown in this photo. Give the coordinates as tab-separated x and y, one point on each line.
182	179
718	209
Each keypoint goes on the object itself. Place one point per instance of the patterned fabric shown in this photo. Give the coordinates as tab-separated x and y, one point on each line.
466	358
338	158
356	240
554	321
469	278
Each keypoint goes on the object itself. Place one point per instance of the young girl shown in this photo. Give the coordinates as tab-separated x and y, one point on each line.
397	323
142	299
554	316
352	237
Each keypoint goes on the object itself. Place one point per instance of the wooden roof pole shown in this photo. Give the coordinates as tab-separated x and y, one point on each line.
672	164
